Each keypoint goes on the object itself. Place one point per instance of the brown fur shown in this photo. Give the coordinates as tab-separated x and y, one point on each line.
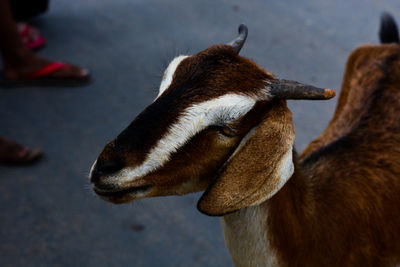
243	181
342	206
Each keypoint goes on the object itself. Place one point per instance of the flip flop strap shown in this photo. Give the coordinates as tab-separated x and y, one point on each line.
46	70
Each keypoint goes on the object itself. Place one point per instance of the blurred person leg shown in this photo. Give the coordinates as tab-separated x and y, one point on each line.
30	36
23	11
21	64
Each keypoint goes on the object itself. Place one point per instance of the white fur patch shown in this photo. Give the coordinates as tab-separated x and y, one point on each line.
246	237
194	119
286	168
169	74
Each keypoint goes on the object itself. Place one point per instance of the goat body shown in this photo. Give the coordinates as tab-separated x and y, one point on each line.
341	207
351	173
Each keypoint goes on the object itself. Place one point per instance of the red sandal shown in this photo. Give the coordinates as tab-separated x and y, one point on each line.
43	77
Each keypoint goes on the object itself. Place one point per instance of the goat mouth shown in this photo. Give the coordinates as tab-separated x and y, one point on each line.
121	193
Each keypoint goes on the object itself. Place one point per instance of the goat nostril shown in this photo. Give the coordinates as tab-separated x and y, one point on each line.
108	167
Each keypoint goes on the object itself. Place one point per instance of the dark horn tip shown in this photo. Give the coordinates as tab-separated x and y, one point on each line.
388	30
243	28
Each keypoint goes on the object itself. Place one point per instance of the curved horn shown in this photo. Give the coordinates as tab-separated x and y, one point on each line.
239	41
286	89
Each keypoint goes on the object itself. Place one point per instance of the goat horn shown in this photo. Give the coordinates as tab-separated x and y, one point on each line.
286	89
238	43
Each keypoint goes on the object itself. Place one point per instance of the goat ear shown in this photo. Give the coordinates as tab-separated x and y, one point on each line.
257	169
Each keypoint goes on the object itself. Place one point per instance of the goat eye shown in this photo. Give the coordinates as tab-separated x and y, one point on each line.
226	131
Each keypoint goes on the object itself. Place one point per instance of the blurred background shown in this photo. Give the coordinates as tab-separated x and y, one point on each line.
48	214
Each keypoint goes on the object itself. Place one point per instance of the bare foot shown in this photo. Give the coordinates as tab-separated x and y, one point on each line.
14	153
31	63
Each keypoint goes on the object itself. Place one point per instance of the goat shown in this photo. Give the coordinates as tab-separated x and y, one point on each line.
220	124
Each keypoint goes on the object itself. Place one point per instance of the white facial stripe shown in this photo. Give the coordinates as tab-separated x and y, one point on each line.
194	119
169	74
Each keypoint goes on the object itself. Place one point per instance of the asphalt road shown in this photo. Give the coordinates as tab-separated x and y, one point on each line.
48	215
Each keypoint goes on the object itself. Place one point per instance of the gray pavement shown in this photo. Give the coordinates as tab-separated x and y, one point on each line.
48	215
